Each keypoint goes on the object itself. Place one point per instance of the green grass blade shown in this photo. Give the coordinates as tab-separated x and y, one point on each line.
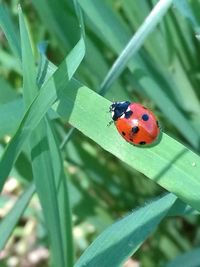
8	224
122	239
80	17
62	198
43	64
135	43
43	173
46	97
40	154
9	30
28	64
47	163
173	166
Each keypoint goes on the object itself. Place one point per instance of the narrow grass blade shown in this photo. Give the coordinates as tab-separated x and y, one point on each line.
135	43
47	163
8	224
122	239
28	64
80	17
42	65
46	188
62	198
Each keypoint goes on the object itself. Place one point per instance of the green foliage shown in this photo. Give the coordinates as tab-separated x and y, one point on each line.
97	52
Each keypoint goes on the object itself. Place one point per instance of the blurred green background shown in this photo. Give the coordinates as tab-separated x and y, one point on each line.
164	75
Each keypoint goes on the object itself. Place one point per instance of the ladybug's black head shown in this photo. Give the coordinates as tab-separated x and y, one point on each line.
118	109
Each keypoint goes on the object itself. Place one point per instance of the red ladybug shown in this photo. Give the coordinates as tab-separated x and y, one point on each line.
135	123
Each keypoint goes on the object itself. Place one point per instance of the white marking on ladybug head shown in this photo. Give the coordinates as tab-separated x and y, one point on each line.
135	122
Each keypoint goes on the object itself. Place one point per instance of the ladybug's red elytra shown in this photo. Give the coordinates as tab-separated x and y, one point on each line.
136	124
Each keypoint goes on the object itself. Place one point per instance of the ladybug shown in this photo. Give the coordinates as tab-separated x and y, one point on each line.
136	124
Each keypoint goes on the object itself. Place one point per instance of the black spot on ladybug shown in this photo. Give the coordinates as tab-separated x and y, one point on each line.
123	133
131	139
135	129
145	117
128	114
142	143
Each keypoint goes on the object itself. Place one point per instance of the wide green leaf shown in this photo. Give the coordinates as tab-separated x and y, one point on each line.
173	166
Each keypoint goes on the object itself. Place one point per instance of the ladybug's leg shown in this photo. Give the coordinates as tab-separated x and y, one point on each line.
111	122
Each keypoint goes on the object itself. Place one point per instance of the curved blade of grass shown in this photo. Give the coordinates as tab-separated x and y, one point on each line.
43	64
80	17
44	176
62	197
136	42
40	153
47	164
46	68
168	163
43	101
123	238
9	30
8	224
189	259
28	64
